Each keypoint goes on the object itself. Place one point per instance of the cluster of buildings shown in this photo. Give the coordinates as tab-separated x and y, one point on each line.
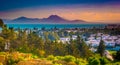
92	40
109	41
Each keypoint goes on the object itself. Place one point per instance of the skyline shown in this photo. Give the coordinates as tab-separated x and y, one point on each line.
89	10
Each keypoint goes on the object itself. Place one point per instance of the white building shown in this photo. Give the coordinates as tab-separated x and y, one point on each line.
64	40
74	37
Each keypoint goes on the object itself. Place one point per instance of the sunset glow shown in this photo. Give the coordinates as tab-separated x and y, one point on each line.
105	13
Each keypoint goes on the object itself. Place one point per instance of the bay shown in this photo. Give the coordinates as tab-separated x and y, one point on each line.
61	26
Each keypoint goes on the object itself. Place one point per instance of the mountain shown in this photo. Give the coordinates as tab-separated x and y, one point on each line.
24	20
50	20
54	19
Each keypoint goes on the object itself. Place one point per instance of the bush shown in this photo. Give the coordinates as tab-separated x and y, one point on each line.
41	53
94	61
78	61
60	62
1	63
34	56
12	61
60	57
2	59
103	61
57	64
50	57
69	58
71	63
117	63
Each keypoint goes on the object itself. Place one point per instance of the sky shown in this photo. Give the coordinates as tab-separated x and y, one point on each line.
105	11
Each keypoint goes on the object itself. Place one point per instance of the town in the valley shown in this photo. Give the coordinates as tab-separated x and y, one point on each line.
110	34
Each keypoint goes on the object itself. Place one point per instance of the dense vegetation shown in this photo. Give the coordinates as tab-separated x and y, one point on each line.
21	48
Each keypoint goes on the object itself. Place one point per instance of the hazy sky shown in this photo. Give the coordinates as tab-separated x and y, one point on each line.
107	11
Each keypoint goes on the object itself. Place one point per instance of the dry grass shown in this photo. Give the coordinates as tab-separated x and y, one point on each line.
35	62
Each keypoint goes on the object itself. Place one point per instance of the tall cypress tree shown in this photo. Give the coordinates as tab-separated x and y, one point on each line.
101	48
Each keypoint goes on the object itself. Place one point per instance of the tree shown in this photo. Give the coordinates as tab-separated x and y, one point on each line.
117	56
6	33
101	48
23	46
58	48
83	48
2	44
1	23
9	35
72	48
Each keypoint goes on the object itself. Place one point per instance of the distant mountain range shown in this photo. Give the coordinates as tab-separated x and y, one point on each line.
50	20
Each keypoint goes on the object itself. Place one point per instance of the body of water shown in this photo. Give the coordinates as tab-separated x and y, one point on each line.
117	48
49	26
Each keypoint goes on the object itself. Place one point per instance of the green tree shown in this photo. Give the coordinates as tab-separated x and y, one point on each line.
101	48
59	48
117	56
83	48
23	40
72	48
1	23
2	44
9	35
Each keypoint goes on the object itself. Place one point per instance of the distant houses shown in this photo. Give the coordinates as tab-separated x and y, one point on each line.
109	41
67	39
91	39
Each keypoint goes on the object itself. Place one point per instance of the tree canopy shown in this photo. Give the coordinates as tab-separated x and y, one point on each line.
1	23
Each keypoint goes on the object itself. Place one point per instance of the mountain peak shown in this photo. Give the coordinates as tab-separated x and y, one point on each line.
54	17
22	17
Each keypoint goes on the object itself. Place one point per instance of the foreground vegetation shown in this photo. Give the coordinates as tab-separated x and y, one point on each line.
17	58
21	48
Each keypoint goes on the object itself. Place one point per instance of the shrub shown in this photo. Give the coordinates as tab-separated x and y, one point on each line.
69	58
34	56
94	61
1	63
117	63
57	64
41	53
77	61
50	57
103	61
2	59
12	61
71	63
60	62
60	57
